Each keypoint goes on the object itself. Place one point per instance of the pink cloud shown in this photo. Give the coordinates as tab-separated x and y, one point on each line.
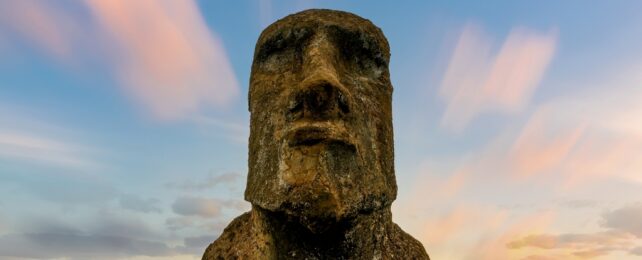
621	233
583	140
558	139
477	81
493	246
41	24
161	53
542	144
168	58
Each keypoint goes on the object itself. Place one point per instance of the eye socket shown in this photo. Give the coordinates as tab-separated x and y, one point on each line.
283	50
360	50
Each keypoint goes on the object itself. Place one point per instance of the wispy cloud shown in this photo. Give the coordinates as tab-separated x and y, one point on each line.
622	233
205	207
109	237
161	52
37	148
230	178
595	136
191	206
136	203
41	24
493	246
28	139
479	81
168	59
625	219
543	143
577	139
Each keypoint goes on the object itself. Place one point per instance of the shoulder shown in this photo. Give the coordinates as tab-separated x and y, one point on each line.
232	243
404	246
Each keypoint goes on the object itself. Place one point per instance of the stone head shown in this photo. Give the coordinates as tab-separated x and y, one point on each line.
321	140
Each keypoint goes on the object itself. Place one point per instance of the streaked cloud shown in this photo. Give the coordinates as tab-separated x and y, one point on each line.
136	203
161	52
622	232
167	57
583	139
212	181
197	224
192	206
110	237
543	143
196	244
582	245
552	158
37	148
41	24
493	245
48	245
577	139
31	140
479	81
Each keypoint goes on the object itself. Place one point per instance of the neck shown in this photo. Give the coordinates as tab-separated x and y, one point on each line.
285	236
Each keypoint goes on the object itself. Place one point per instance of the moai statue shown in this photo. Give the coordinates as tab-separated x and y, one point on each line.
321	170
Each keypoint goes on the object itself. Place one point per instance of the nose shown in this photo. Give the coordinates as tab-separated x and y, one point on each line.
319	100
320	96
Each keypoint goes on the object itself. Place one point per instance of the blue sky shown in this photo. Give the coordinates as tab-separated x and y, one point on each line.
518	126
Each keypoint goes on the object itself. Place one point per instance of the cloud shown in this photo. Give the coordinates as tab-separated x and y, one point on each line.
211	181
560	138
572	240
543	143
493	244
135	203
576	204
72	191
37	148
179	223
582	138
199	242
636	251
82	246
625	219
540	257
161	53
477	81
195	245
192	206
586	245
41	24
197	224
622	231
108	237
168	58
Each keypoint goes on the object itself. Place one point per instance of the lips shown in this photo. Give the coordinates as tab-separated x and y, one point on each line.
314	134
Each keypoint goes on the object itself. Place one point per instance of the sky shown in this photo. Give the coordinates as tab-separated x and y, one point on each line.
124	125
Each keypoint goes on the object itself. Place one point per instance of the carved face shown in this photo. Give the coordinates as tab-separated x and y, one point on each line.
321	143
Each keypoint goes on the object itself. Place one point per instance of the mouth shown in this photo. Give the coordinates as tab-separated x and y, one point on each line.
315	134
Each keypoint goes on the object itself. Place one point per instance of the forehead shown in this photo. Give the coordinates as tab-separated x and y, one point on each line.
325	21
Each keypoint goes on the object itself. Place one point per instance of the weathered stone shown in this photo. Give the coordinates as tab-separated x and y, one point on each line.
321	174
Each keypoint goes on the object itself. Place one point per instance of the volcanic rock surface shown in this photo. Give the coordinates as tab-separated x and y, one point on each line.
321	171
